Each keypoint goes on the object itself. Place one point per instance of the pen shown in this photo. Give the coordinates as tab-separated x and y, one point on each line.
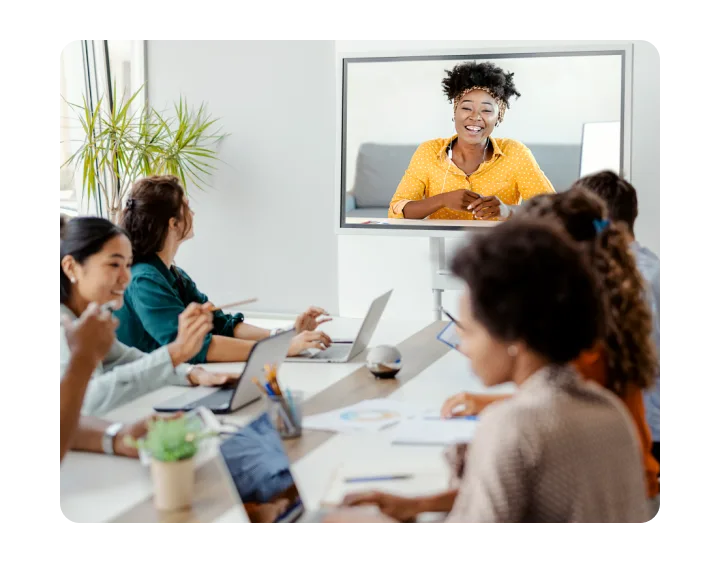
110	306
453	418
291	405
235	304
450	317
379	478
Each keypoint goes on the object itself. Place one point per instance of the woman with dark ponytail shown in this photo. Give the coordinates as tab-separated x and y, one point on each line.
95	258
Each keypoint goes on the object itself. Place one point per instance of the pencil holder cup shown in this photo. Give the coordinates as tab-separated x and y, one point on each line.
285	413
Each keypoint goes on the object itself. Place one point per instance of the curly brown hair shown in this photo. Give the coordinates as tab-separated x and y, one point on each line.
631	356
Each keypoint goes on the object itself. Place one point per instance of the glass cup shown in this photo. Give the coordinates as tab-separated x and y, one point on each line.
286	414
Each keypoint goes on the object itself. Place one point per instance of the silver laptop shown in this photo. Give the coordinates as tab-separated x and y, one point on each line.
257	468
271	351
344	352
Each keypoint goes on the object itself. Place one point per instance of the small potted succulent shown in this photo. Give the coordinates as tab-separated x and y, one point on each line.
171	445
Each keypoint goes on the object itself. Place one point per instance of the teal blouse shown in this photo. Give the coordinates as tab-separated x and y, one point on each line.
154	298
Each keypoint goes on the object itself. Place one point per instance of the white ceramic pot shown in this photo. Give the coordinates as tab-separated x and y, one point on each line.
172	484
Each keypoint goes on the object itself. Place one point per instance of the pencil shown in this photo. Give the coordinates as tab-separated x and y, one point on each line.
235	304
272	379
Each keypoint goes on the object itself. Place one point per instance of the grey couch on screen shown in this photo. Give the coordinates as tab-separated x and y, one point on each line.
380	167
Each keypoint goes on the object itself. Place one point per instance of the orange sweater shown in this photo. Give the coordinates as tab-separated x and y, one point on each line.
593	365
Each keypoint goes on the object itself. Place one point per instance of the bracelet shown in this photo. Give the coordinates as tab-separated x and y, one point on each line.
188	375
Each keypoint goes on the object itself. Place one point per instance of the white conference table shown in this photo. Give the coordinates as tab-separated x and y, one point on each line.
98	488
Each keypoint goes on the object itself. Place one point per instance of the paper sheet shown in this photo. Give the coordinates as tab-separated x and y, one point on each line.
449	336
424	480
372	415
434	431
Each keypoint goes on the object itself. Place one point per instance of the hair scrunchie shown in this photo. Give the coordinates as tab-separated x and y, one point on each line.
600	225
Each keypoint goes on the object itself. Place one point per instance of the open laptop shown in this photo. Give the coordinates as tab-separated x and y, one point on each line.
270	351
345	352
258	470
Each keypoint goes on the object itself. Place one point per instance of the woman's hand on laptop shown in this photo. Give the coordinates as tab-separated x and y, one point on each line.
199	376
309	339
309	320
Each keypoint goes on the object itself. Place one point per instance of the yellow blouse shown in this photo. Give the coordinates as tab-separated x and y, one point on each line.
512	174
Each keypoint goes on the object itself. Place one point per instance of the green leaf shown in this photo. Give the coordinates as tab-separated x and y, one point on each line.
132	140
175	439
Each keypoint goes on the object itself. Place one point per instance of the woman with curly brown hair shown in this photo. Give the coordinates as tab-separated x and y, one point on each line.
625	361
471	175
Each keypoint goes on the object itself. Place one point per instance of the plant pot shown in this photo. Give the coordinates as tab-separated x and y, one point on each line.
172	484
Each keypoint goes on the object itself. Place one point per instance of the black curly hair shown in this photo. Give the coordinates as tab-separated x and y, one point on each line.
470	74
528	282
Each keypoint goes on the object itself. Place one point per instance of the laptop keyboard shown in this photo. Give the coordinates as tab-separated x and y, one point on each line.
215	399
334	352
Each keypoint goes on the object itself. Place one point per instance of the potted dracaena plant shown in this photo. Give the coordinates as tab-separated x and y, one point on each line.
171	445
128	140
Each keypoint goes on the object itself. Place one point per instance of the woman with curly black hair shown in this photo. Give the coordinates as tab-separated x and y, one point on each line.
625	359
471	175
562	449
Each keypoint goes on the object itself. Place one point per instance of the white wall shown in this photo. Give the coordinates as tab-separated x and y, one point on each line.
265	227
369	265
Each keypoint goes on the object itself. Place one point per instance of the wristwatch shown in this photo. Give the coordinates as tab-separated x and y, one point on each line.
188	374
109	436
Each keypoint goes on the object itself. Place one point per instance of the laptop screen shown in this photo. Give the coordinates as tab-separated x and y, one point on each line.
261	472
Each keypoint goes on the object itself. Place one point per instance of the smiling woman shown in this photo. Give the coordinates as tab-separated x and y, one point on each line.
95	259
471	175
